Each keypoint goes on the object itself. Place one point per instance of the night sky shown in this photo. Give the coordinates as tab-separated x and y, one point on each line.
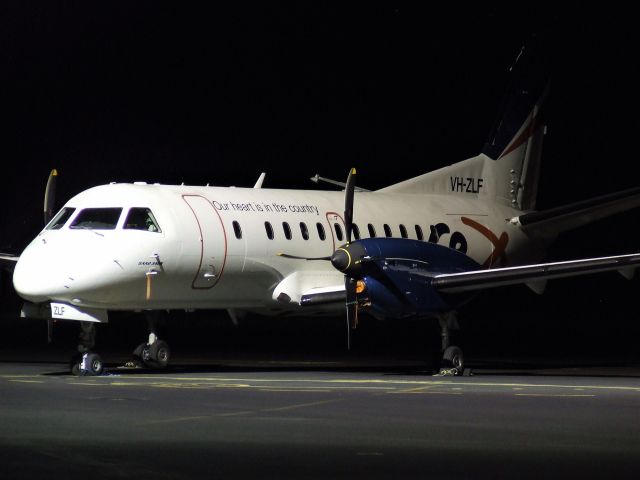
145	91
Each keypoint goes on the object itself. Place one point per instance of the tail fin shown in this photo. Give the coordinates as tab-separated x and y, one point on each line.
508	168
516	139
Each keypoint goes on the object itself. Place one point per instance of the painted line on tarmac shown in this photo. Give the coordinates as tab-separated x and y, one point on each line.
341	384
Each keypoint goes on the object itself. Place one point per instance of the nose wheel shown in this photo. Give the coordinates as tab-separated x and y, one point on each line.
86	362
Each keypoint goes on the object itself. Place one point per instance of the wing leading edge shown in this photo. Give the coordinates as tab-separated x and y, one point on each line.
481	279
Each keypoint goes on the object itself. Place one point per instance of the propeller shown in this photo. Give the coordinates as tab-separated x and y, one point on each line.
348	203
49	209
338	258
342	258
50	196
297	257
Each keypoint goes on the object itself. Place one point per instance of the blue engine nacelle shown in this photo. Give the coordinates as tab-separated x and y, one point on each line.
397	274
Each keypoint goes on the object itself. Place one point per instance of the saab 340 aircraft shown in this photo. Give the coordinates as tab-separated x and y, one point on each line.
421	247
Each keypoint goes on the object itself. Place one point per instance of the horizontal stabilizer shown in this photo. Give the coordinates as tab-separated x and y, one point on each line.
559	219
481	279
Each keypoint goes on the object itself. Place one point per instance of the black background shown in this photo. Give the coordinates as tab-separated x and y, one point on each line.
146	91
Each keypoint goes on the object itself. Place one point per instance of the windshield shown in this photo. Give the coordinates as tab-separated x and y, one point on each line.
141	219
60	219
97	218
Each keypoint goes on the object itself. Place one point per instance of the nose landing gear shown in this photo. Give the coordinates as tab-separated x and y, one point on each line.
86	362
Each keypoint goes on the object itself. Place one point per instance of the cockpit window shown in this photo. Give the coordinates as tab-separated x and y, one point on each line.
97	218
141	219
60	219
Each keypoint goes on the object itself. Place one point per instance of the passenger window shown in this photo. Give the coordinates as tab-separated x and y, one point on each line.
321	233
60	219
338	231
356	231
287	230
304	231
269	229
403	231
141	219
237	229
372	230
387	230
97	218
419	232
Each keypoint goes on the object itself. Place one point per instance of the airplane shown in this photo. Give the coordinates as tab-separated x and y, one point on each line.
422	247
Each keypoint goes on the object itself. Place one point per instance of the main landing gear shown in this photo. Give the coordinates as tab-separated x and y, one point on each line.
154	353
452	357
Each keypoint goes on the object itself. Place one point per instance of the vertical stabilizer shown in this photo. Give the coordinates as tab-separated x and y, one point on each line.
508	168
515	142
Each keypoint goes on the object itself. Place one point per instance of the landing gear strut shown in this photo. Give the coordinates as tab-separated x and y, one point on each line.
452	357
154	353
86	362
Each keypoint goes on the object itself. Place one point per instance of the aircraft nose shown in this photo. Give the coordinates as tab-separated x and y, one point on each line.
34	279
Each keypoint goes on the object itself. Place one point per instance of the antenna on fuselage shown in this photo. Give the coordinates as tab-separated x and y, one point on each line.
260	180
317	179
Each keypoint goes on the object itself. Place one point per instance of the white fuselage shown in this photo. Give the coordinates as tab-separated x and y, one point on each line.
200	259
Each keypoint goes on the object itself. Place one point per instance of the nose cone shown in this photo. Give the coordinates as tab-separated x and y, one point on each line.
28	283
341	259
38	275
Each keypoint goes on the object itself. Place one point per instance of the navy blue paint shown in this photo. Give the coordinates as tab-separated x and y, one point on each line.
398	274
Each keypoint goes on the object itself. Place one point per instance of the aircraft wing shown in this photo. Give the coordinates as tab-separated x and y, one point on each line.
496	277
8	261
311	287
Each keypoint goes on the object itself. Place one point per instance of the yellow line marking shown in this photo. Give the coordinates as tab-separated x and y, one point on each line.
423	392
370	384
175	420
237	414
552	395
299	405
390	382
307	390
234	414
414	390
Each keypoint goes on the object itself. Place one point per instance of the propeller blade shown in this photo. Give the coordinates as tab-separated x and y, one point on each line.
352	307
50	196
348	203
296	257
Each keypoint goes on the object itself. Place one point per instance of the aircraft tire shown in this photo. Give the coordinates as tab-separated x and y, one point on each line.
74	365
160	353
453	358
93	365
